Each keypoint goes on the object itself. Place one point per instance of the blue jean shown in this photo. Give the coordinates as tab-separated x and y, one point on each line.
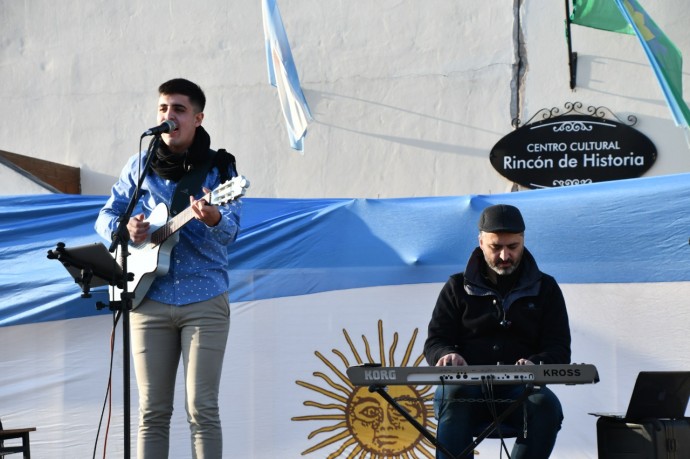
161	334
462	415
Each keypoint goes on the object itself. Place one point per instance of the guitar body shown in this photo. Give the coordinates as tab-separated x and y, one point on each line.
148	260
151	258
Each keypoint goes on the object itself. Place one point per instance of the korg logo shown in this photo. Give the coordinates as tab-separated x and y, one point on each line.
379	375
562	372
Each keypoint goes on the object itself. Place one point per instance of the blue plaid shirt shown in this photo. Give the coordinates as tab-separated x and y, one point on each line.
199	261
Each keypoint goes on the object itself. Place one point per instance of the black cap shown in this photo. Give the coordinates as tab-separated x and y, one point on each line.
501	218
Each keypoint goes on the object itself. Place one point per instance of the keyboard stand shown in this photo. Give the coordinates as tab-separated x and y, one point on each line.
529	388
381	390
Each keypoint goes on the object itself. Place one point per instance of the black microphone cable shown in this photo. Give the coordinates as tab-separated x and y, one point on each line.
108	399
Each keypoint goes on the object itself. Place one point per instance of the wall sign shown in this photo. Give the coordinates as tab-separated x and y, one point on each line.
572	149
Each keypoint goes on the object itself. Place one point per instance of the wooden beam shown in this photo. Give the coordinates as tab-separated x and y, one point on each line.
67	179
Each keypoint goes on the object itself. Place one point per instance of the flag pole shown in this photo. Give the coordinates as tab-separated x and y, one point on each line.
572	57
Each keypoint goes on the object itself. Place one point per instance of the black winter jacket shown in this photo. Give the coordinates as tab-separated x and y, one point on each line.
469	311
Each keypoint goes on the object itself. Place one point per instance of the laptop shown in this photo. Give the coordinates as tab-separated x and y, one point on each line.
657	395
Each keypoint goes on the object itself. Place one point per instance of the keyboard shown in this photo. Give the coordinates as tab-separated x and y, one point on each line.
373	374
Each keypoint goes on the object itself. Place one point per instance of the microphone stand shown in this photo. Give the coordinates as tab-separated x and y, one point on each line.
120	238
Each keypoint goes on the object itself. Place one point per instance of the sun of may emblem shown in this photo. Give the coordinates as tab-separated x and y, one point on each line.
361	424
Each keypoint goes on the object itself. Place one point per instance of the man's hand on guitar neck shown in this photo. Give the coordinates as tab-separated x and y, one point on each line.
204	212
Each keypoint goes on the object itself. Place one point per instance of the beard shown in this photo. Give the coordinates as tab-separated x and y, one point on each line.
504	269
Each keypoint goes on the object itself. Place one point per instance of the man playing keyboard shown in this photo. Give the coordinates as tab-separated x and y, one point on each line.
501	310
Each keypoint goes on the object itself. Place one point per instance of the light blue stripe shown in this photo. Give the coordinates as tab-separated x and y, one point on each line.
627	231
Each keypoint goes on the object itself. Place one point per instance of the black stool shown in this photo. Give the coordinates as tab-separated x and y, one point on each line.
9	434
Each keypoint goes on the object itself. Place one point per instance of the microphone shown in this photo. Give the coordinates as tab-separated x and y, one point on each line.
165	126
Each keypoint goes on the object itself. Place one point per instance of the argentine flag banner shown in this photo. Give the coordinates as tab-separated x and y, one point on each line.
320	285
282	73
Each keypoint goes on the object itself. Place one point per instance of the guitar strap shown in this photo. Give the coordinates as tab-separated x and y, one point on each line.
190	183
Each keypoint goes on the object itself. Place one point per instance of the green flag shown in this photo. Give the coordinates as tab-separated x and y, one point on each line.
600	14
628	16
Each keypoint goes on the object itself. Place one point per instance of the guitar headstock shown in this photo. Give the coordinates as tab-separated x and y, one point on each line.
230	190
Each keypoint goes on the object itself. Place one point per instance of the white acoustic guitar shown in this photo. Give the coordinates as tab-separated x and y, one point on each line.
151	258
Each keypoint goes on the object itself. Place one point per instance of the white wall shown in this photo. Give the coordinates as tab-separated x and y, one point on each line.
408	97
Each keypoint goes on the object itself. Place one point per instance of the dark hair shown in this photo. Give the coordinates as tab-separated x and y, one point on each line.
186	88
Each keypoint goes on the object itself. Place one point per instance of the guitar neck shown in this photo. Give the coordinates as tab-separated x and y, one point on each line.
174	224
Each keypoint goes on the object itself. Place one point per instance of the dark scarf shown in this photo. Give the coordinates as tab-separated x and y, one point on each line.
172	166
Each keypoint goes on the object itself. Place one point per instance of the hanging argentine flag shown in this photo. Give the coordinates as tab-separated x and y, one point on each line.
282	74
664	57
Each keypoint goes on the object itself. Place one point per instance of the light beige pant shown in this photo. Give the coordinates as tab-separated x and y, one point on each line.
161	333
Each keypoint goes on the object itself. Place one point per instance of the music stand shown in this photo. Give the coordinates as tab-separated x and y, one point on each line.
90	265
86	261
